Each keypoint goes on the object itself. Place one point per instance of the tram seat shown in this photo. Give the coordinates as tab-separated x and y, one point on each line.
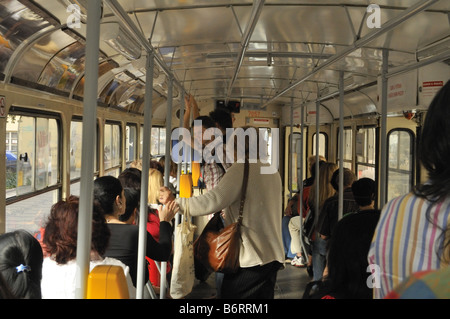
107	282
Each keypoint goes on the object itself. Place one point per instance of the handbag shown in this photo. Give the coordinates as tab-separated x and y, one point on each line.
217	248
182	280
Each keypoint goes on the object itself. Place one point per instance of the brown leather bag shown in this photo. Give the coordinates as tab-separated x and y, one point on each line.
217	248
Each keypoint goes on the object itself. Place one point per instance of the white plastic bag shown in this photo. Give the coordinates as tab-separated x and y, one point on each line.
183	272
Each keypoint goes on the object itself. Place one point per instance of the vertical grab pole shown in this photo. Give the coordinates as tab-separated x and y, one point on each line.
143	208
300	176
162	293
341	146
88	148
316	215
179	168
291	149
383	136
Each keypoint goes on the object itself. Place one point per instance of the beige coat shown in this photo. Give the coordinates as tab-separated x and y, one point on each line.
261	231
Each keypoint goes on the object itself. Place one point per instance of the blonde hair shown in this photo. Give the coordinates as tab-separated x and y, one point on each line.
155	181
326	190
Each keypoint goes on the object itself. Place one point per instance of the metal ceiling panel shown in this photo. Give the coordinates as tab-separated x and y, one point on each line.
201	42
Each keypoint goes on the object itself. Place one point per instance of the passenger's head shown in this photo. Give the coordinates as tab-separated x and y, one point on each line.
312	161
157	165
364	191
132	197
131	177
207	123
136	164
434	146
155	181
349	178
108	192
347	255
131	183
21	260
61	231
222	119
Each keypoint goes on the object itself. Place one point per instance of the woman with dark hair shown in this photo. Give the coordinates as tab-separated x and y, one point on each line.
20	265
60	239
347	258
410	235
123	244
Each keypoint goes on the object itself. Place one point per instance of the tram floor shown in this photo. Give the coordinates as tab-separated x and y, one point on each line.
291	283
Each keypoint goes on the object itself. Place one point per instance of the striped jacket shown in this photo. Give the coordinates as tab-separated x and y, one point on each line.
406	240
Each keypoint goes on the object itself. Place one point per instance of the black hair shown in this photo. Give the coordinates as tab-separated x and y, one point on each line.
221	118
349	178
132	196
207	122
21	260
434	147
106	189
433	153
347	255
131	177
364	191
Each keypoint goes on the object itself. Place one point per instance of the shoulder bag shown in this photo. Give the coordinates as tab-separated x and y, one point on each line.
217	248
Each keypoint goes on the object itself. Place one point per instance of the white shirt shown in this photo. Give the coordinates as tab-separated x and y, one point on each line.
59	281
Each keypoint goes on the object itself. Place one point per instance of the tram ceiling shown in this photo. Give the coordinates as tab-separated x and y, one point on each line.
259	52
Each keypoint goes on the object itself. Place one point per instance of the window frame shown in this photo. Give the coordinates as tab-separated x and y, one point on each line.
411	157
113	168
375	152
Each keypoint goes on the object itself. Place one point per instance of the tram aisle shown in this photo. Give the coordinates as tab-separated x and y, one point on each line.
291	283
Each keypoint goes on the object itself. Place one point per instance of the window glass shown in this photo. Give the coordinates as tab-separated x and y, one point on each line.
76	138
348	148
131	143
34	163
365	152
112	154
400	167
295	165
158	141
32	166
322	144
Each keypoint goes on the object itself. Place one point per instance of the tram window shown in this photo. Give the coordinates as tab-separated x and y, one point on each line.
158	143
266	133
33	184
130	143
35	165
112	149
348	148
365	152
294	163
322	144
76	138
400	167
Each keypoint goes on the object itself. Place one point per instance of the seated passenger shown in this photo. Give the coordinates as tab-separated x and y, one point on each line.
20	266
60	239
328	216
364	191
347	258
409	237
123	244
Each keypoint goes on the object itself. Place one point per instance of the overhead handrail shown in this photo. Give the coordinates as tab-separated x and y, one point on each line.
388	26
131	27
256	12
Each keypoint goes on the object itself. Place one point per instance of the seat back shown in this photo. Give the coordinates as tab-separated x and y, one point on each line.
107	282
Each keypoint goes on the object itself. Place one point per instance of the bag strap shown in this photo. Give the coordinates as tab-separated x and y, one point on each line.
244	191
